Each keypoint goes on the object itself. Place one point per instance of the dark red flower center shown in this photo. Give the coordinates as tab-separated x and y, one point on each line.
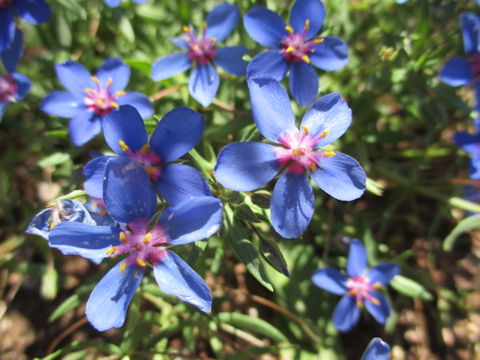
360	288
295	47
8	88
200	49
146	158
100	100
475	65
4	3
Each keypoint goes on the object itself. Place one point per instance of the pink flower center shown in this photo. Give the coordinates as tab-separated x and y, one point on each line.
146	158
141	245
202	50
295	48
299	151
475	65
360	288
8	88
99	100
4	3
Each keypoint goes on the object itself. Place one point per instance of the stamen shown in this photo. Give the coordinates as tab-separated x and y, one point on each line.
329	153
189	38
313	167
324	133
204	26
318	41
114	104
122	268
144	148
186	29
289	29
123	237
360	304
119	93
306	59
94	78
123	145
147	238
289	49
112	250
150	170
213	39
305	129
140	262
88	90
352	292
196	48
99	102
377	286
375	301
109	81
307	24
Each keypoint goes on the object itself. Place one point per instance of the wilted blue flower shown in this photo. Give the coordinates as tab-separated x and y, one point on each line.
294	46
359	289
141	241
176	134
202	52
377	350
13	86
460	71
32	11
114	3
90	98
246	166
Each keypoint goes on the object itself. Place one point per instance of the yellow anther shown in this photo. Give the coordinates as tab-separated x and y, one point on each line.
186	29
109	81
375	301
140	262
289	49
324	133
318	41
329	153
99	102
123	145
95	205
144	148
204	25
52	225
307	24
112	250
88	90
94	78
119	93
188	38
289	29
196	48
213	39
352	292
360	304
150	170
122	268
123	237
114	104
377	286
305	129
147	238
306	59
313	167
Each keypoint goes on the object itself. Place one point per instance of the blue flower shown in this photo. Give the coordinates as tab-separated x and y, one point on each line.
294	46
377	350
203	52
90	98
141	241
246	166
460	71
13	86
359	289
32	11
115	3
176	134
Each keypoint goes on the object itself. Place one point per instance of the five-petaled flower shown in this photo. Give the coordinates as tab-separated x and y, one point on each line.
13	86
32	11
203	52
176	134
246	166
460	71
359	289
90	98
377	349
115	3
294	46
140	242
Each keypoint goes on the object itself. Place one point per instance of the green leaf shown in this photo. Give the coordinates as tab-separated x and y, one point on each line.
150	12
49	288
70	303
126	29
244	212
272	254
54	159
467	224
410	288
141	65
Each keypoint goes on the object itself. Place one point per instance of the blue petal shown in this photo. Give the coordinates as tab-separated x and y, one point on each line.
139	101
246	166
303	83
203	84
12	55
468	142
179	182
192	220
116	70
170	65
269	63
112	3
88	241
292	204
32	11
61	103
313	10
175	277
125	125
346	313
7	28
180	41
271	108
109	300
331	280
74	77
177	133
357	259
329	113
476	87
264	26
23	85
377	349
84	126
383	273
127	192
340	176
94	171
221	21
471	32
230	59
379	312
456	72
331	54
40	224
